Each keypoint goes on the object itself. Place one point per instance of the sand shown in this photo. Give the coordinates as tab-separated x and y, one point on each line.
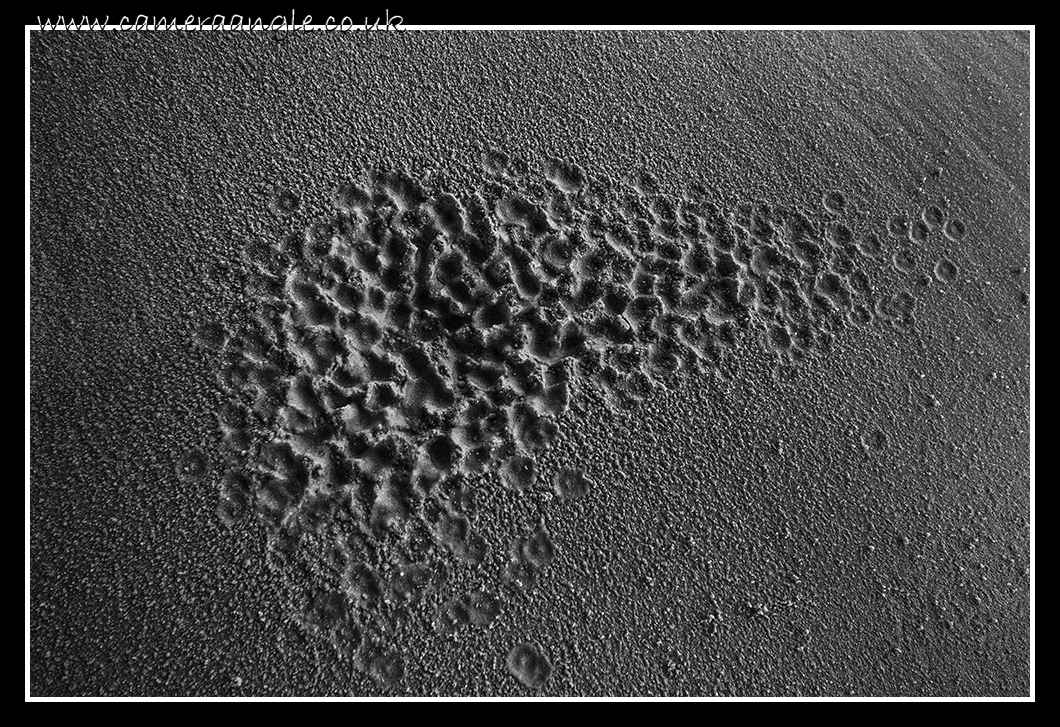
555	364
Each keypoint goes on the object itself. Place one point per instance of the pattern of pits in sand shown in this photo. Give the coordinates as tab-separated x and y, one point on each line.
415	345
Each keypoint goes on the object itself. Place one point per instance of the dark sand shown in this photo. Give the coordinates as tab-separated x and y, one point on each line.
794	461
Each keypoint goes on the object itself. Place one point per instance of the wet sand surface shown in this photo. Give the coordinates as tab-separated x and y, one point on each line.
530	364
